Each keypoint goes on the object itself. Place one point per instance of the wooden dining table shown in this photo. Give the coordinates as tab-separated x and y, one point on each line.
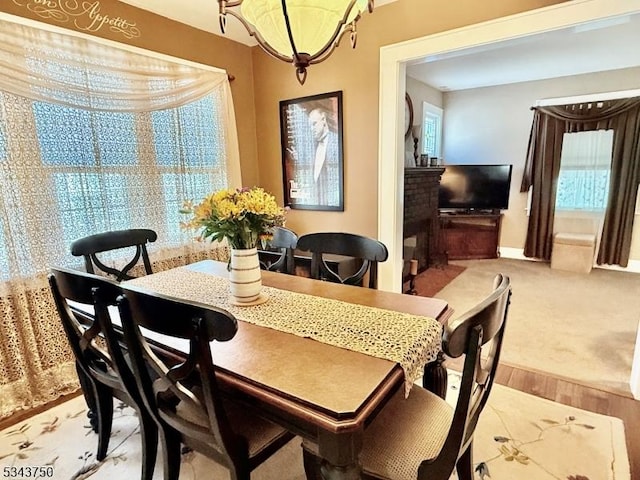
319	391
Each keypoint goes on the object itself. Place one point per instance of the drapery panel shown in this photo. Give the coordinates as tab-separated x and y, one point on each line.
93	138
542	167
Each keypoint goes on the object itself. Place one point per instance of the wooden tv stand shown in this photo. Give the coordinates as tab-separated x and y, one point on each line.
467	236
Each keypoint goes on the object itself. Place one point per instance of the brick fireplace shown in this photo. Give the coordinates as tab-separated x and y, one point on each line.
421	225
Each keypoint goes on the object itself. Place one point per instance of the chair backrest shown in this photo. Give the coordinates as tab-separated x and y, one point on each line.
285	241
83	324
89	247
478	334
189	385
369	250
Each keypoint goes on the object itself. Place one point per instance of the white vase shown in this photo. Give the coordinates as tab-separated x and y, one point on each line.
245	278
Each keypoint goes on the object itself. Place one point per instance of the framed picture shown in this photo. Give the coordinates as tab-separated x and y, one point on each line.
312	165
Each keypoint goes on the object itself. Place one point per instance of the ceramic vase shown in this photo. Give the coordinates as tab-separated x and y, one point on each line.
245	278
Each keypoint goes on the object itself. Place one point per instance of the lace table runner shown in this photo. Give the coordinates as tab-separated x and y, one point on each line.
409	340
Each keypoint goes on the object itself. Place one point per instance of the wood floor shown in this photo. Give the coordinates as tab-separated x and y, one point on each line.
579	396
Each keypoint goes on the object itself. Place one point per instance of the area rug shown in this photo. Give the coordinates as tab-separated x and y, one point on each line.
519	437
576	326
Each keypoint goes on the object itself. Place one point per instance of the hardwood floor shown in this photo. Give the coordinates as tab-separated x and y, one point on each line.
579	396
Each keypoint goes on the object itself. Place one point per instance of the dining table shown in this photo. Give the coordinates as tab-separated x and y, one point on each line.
318	358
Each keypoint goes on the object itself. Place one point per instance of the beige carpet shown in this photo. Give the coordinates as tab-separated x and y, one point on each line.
519	437
581	327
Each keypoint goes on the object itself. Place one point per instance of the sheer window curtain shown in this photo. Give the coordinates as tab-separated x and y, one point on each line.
93	137
585	166
583	183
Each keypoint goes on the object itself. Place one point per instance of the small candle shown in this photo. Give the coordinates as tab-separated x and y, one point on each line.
413	267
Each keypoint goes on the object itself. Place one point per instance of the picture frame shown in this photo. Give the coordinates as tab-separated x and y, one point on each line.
312	152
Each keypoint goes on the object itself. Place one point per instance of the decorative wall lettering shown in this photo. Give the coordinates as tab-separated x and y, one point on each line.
84	15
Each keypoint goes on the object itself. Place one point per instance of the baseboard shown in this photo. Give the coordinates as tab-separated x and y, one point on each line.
517	253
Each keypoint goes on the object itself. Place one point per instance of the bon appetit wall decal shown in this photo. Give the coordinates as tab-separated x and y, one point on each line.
85	16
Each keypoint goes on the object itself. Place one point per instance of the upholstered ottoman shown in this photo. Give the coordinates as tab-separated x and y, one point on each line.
573	252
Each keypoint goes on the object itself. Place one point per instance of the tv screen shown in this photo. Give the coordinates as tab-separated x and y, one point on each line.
475	187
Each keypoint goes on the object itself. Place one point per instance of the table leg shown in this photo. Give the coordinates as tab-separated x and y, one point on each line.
331	472
340	454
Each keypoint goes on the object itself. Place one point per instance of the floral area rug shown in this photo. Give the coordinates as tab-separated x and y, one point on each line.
519	437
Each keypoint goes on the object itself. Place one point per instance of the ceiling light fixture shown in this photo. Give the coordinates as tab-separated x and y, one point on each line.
301	32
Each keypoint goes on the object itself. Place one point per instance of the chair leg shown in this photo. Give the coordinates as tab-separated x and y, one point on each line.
104	410
464	466
149	438
86	385
171	450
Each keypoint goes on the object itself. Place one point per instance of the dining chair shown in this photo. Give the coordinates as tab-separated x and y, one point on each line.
185	400
281	246
422	437
88	247
368	250
104	372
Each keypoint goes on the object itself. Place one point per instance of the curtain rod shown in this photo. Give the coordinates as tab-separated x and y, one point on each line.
594	97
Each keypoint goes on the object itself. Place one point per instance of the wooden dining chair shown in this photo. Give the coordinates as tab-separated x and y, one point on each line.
422	437
89	247
104	373
279	257
368	250
185	400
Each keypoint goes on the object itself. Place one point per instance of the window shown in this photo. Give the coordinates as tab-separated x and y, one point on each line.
431	130
585	165
83	172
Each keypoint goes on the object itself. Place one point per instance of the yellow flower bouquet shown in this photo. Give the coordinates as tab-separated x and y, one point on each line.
243	216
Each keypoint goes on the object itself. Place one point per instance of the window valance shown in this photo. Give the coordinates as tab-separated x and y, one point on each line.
78	72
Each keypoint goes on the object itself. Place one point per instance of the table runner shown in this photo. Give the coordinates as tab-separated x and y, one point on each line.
409	340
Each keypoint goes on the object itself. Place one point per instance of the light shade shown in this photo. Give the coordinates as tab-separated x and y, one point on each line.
302	32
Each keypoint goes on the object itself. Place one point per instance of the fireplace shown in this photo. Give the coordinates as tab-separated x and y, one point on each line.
421	225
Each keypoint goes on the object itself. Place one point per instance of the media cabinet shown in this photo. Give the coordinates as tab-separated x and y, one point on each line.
469	236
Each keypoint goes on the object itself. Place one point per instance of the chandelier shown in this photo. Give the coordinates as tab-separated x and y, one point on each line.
301	32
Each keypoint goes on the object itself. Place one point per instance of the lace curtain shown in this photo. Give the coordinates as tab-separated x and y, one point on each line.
93	138
585	166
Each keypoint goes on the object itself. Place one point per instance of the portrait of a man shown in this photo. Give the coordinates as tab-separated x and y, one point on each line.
311	129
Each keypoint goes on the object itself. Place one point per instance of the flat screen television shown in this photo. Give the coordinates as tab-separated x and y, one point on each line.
475	187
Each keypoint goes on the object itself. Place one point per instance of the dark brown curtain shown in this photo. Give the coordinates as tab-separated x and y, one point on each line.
543	166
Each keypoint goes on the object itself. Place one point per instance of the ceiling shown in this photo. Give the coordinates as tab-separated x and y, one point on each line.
597	46
601	45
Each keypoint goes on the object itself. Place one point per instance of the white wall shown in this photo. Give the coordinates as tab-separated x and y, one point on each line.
420	92
492	125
